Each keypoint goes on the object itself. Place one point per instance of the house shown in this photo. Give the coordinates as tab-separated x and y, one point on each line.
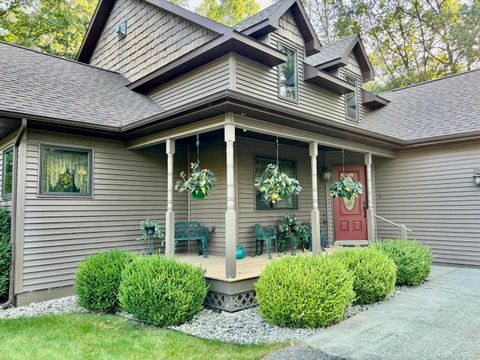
91	147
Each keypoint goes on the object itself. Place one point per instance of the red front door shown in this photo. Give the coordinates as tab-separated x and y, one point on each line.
350	217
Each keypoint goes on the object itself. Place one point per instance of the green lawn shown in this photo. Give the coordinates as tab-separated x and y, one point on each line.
90	336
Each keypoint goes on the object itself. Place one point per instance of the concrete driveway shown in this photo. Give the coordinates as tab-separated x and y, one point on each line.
438	320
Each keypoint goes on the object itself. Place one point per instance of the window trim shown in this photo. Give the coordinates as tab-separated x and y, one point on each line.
62	195
357	110
8	148
295	101
295	162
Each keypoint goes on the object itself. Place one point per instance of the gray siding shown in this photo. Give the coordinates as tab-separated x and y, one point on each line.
431	191
262	81
154	38
195	85
59	232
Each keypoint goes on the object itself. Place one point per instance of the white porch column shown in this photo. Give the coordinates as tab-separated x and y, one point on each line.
170	215
370	200
315	214
230	213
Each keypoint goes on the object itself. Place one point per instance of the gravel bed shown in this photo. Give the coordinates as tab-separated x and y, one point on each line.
50	307
248	327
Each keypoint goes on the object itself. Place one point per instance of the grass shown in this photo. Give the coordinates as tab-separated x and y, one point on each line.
91	336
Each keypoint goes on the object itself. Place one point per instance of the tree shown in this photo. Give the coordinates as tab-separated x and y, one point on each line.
228	12
53	26
408	40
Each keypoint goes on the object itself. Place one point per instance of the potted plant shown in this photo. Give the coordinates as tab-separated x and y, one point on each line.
199	183
288	229
346	187
276	186
149	229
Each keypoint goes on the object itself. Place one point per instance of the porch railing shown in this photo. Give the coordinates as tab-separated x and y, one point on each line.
403	229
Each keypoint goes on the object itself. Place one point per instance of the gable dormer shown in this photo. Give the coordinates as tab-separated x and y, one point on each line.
275	19
136	37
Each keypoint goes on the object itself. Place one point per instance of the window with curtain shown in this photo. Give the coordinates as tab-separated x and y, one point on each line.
289	167
287	75
65	171
7	172
351	100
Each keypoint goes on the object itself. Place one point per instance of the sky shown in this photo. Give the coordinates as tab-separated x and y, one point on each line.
193	4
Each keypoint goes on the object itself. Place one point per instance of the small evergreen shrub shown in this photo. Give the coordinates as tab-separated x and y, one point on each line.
374	273
5	253
412	258
98	279
304	291
162	291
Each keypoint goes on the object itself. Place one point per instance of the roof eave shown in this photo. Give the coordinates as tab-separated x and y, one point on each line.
320	78
233	42
373	101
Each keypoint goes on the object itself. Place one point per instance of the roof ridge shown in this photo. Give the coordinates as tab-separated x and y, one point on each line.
58	57
430	81
339	40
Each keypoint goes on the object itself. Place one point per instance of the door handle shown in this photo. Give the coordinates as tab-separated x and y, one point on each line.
364	208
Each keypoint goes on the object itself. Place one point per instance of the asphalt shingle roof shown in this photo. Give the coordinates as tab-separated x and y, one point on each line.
332	51
38	84
260	16
441	107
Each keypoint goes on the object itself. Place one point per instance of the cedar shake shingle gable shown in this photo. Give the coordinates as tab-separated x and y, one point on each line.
439	108
33	83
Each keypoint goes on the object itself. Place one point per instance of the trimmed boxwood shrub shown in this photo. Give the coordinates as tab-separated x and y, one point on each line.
98	279
412	258
304	291
162	291
5	253
374	273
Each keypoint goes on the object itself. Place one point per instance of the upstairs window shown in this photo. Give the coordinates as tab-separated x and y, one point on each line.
65	171
289	167
7	172
351	100
288	75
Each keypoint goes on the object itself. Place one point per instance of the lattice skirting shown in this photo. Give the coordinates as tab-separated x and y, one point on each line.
231	303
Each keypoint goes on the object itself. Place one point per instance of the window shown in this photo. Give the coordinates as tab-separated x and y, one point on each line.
287	75
65	171
7	172
287	166
351	100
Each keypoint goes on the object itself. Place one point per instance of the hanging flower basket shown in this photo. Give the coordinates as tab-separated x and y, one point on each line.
276	186
199	183
346	187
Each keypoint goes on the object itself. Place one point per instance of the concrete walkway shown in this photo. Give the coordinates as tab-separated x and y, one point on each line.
438	320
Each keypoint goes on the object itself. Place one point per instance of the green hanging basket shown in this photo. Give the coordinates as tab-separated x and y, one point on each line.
198	195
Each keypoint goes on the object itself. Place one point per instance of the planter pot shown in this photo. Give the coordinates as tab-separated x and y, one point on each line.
240	252
150	230
198	195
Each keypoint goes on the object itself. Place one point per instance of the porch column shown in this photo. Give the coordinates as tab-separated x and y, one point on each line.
230	213
370	200
315	214
170	215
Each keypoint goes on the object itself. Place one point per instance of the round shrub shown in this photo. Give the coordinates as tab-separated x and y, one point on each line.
98	278
412	258
374	273
162	291
304	291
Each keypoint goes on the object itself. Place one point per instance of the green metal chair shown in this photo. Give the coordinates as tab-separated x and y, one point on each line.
264	234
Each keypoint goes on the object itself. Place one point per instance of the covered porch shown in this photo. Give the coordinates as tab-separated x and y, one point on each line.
230	145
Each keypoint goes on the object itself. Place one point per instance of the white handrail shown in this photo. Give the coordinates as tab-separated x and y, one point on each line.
403	229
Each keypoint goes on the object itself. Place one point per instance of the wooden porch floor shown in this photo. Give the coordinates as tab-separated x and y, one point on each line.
248	268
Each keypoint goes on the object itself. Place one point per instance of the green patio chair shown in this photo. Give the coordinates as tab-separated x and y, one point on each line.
264	234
